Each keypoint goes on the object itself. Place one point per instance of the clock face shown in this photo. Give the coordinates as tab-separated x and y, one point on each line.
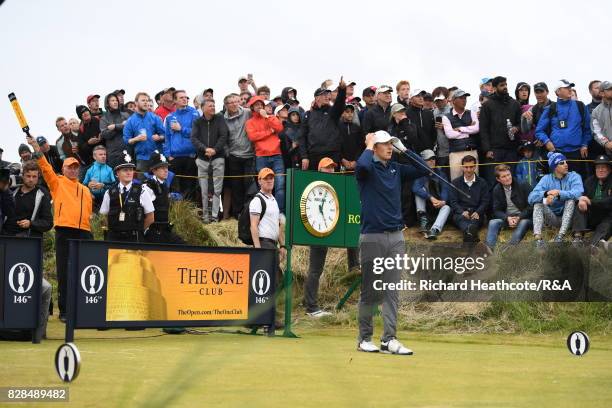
319	208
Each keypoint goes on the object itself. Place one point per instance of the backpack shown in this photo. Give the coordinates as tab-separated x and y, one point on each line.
552	111
244	220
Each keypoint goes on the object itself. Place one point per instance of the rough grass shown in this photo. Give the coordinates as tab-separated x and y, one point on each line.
440	317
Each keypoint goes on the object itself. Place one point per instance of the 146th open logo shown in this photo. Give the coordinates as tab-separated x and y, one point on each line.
261	285
92	281
21	280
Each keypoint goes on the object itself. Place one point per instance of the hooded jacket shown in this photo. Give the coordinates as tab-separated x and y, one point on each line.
178	144
319	133
516	93
113	138
153	126
570	187
238	144
288	136
102	173
209	133
493	115
265	134
575	135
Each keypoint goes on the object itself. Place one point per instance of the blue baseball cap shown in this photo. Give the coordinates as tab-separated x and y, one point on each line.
485	80
41	140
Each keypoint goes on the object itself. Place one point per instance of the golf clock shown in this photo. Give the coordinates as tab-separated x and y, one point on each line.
319	208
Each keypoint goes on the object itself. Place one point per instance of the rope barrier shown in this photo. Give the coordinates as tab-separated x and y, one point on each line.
351	171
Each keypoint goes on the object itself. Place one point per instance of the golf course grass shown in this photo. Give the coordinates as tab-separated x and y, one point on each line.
218	368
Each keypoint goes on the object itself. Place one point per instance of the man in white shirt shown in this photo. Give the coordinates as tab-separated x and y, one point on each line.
128	207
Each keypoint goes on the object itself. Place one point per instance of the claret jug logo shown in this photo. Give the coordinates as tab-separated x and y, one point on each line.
92	279
21	278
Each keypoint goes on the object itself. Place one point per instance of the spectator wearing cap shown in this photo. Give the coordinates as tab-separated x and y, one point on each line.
431	199
319	136
379	180
166	103
120	94
240	158
595	205
111	129
369	99
565	127
208	94
333	87
423	119
469	211
51	154
403	92
89	135
530	117
402	128
72	205
267	222
442	108
601	120
499	140
99	176
554	198
486	88
209	136
264	130
93	103
130	107
377	117
177	144
244	82
510	207
529	168
244	98
350	88
145	131
353	139
460	127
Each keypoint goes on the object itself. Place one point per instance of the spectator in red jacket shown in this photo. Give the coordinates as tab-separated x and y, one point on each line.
263	130
166	105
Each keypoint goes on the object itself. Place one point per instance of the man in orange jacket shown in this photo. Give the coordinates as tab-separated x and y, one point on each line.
263	130
72	205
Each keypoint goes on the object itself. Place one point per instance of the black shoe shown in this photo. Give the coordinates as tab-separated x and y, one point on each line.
62	318
432	234
423	221
175	330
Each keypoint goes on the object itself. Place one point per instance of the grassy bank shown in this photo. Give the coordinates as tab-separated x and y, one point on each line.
437	317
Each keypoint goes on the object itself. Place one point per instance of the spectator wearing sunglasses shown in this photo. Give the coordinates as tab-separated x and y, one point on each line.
554	199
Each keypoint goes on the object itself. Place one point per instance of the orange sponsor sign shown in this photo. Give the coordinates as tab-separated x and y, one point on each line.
167	285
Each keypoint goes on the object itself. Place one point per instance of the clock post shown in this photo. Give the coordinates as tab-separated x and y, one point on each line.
322	209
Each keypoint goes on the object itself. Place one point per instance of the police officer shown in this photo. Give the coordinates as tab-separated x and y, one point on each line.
161	230
128	206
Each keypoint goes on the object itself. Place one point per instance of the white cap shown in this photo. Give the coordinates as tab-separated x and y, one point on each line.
440	97
563	83
332	86
280	107
383	137
416	92
349	83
